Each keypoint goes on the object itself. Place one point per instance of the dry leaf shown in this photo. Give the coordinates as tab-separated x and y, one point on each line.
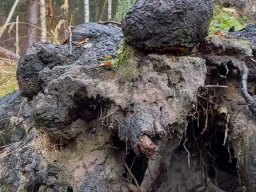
221	33
106	63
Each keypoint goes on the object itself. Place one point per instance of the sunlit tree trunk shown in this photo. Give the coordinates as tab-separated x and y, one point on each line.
43	20
33	6
109	9
86	11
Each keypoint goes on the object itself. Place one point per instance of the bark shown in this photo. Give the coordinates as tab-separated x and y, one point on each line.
86	11
43	20
109	10
33	13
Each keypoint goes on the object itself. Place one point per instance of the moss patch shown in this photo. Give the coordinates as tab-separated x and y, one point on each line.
126	64
224	20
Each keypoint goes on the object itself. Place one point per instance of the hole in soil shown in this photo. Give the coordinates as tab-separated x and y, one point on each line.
137	167
226	69
87	109
116	142
219	160
70	189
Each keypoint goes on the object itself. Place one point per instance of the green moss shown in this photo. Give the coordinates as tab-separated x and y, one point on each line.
125	63
223	20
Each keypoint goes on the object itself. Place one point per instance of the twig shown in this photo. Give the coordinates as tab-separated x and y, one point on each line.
184	144
206	119
109	22
29	24
109	114
9	16
131	174
103	9
70	40
17	36
215	86
226	130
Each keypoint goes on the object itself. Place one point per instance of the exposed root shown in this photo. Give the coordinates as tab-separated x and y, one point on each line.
184	145
247	97
133	177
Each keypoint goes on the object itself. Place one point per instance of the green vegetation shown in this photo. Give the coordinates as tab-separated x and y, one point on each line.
8	82
122	8
223	19
123	54
126	63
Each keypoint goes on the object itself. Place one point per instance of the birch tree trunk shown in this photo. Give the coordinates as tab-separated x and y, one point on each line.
109	10
86	11
43	20
33	20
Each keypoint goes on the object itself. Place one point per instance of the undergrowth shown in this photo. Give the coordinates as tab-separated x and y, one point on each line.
8	82
125	63
225	18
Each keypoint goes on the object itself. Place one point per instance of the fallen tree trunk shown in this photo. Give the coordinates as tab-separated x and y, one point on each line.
4	53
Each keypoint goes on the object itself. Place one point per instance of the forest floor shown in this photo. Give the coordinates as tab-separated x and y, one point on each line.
8	82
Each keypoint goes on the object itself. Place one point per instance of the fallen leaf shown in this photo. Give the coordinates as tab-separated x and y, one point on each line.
221	33
106	63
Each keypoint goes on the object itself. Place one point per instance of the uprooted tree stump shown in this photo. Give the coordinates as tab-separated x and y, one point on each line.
150	122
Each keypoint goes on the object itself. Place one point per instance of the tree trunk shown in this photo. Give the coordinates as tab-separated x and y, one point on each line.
4	53
86	11
43	20
109	10
33	21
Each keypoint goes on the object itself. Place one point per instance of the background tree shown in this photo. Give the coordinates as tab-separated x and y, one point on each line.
33	12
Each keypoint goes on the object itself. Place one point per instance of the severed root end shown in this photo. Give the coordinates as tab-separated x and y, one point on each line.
147	147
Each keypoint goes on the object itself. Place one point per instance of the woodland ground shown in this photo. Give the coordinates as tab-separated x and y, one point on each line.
8	82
